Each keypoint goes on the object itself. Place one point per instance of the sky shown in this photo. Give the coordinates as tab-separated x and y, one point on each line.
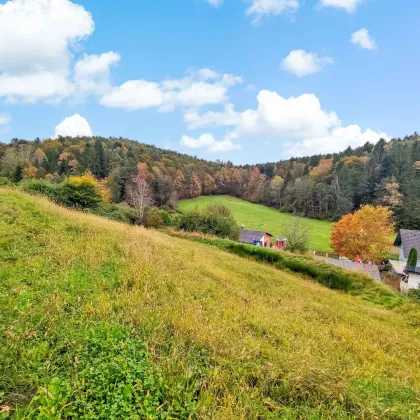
241	80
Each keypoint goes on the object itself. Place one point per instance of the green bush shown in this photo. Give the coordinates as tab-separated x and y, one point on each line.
215	219
40	186
5	182
153	219
119	212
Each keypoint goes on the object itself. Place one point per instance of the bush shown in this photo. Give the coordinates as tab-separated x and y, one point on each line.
119	212
79	192
153	219
5	182
40	186
214	219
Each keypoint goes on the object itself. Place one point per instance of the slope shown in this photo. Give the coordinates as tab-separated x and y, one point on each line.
259	217
104	320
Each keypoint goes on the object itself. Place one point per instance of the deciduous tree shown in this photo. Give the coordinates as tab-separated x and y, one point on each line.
365	233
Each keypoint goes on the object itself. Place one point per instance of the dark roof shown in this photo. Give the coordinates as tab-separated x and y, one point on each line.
249	236
408	239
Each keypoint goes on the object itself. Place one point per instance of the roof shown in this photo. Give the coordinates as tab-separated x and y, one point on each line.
408	239
249	236
371	270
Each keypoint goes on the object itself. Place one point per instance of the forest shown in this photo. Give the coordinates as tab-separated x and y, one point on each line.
322	186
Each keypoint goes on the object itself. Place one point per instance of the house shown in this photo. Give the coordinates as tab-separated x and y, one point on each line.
255	237
410	276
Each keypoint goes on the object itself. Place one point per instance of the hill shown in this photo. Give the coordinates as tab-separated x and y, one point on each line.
324	187
104	320
259	217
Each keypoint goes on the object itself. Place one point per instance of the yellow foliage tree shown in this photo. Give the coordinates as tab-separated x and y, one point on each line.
365	234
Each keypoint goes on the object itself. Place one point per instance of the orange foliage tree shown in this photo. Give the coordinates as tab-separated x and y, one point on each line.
365	234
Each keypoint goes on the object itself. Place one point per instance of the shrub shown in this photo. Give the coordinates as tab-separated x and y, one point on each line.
79	191
5	182
153	219
214	219
40	186
119	212
412	257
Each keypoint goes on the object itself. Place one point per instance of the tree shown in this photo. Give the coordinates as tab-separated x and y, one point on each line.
413	257
365	233
139	193
297	237
276	191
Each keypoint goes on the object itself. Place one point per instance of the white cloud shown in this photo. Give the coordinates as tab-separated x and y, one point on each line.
363	39
75	126
203	87
92	72
208	141
215	3
35	52
302	63
278	117
338	140
212	119
5	119
133	95
349	5
302	119
251	88
261	8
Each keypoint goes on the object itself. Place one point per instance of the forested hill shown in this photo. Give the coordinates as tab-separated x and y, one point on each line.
321	186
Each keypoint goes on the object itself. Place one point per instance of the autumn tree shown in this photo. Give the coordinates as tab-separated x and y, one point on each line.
276	191
139	193
297	236
365	233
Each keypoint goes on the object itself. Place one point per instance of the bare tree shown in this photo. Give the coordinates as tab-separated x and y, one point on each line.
297	236
140	195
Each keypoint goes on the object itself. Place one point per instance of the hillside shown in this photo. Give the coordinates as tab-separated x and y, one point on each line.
104	320
259	217
323	187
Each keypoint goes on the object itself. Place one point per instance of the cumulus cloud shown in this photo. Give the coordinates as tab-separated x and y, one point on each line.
92	73
301	122
260	8
74	126
302	63
35	52
349	5
209	142
278	117
363	39
203	87
338	140
212	119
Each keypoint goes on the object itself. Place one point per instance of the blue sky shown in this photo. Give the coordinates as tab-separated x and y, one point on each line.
244	80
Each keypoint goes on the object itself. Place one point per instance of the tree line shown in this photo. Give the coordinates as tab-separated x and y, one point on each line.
321	186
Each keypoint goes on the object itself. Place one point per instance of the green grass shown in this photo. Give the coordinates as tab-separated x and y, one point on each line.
259	217
99	319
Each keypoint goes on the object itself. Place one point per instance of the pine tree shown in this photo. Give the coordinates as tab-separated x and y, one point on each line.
412	257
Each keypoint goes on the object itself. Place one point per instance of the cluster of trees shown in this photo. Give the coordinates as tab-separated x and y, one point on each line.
321	186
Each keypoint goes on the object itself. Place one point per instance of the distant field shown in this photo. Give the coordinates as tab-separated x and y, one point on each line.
258	217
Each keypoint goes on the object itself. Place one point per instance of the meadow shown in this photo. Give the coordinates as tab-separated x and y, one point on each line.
99	319
260	217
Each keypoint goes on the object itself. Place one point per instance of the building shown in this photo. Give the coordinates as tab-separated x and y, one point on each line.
410	276
255	237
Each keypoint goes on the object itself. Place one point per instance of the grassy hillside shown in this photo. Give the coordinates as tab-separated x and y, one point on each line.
104	320
259	217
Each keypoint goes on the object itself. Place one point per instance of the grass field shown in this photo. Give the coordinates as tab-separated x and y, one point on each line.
259	217
103	320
